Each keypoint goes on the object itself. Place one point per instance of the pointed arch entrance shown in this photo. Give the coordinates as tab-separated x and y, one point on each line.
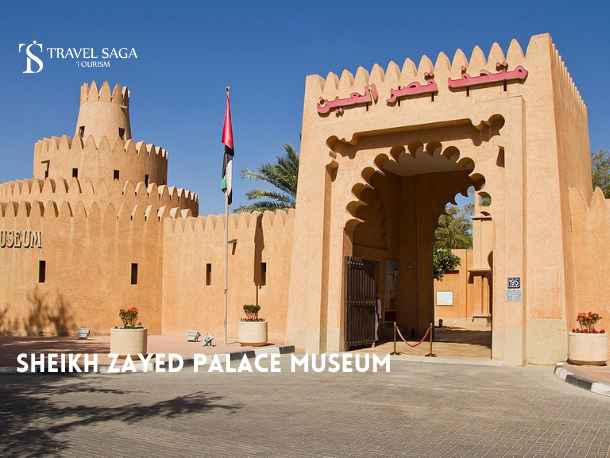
383	192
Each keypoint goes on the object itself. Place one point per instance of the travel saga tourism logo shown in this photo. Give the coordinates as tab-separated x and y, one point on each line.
35	53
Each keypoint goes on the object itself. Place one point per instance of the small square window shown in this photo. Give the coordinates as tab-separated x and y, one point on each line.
208	274
42	271
75	173
116	175
134	273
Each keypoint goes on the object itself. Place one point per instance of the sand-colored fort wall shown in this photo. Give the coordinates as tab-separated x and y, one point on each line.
88	255
589	262
191	243
97	158
108	191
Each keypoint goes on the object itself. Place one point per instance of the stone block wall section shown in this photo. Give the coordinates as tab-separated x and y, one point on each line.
193	250
88	255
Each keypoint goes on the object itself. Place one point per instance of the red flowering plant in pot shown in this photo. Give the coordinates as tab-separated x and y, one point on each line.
587	344
587	322
131	338
252	329
129	317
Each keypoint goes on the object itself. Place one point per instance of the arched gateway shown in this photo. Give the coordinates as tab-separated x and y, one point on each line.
382	152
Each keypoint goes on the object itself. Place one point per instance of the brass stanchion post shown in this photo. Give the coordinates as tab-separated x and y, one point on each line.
394	352
431	330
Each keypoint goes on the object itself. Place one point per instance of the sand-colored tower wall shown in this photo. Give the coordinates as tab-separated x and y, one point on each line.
103	112
88	255
191	243
97	158
102	192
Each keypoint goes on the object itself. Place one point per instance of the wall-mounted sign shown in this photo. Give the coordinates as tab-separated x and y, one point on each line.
485	77
355	99
412	89
444	298
415	88
20	239
513	295
513	289
513	282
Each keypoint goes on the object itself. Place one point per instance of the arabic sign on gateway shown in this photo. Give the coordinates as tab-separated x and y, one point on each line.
415	88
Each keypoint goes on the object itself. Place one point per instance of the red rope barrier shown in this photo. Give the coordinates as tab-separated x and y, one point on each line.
418	343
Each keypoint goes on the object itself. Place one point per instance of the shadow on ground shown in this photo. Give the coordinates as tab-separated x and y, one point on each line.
27	406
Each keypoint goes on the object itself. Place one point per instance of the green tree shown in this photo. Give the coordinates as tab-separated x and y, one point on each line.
454	228
600	167
282	175
443	261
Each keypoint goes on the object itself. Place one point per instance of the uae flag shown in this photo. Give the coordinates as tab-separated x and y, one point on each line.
227	141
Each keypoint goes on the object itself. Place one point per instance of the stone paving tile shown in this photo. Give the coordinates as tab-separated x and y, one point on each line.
417	410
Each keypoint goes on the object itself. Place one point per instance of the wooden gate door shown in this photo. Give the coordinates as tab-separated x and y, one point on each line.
361	302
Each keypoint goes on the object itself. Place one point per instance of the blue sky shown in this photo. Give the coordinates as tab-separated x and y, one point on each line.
188	54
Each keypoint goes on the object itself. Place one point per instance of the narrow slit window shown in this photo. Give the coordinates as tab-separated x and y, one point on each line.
46	165
208	274
75	173
42	271
263	273
115	175
121	133
146	180
134	273
81	131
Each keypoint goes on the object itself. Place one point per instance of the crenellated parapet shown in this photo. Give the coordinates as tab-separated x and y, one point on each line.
482	75
119	95
91	192
274	224
100	158
51	210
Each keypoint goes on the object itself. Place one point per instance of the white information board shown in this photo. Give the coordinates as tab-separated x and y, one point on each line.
444	298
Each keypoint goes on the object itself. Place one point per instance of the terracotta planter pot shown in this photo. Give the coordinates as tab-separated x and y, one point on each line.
253	333
128	341
587	348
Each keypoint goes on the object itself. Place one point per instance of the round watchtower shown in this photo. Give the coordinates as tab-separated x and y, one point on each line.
103	113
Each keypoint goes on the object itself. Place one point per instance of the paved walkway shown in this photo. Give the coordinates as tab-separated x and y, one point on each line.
10	347
416	410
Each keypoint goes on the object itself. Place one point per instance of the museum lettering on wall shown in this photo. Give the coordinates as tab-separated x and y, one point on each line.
21	239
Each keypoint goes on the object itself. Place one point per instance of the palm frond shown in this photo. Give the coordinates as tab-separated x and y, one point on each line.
282	174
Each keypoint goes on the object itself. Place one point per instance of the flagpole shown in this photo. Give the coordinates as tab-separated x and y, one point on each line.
226	267
228	92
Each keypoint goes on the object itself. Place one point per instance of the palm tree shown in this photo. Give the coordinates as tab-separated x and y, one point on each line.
454	228
600	165
283	175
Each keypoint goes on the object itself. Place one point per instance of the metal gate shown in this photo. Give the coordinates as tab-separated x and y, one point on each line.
360	302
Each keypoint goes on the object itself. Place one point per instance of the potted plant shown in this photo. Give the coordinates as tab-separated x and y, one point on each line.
586	344
252	329
131	337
